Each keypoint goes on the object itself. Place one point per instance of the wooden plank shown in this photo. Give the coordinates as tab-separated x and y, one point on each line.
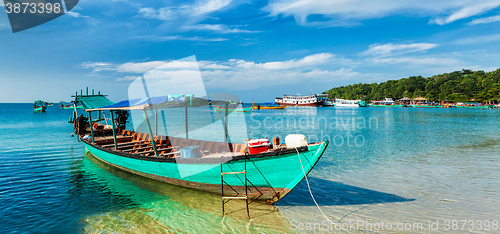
124	143
141	148
167	154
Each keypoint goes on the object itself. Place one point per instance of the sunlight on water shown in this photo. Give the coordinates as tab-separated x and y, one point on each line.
394	165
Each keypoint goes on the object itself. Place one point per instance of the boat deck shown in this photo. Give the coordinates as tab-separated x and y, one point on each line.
140	143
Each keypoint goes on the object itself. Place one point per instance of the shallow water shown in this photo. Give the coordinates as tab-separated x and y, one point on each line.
391	165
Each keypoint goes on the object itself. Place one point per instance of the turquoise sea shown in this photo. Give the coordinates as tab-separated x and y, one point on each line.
393	166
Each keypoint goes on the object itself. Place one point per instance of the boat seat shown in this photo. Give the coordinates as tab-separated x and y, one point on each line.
123	144
110	139
150	147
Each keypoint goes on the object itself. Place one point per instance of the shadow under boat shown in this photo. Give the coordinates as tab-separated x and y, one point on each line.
330	193
165	204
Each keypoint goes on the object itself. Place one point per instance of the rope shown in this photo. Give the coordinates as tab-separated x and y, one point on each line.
309	187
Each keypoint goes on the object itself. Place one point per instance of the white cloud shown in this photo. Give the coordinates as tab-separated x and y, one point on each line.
76	14
194	13
237	74
127	78
485	20
392	49
428	61
221	28
349	12
182	38
478	39
98	66
468	11
188	17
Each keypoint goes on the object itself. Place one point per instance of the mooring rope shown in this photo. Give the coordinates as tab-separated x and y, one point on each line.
309	187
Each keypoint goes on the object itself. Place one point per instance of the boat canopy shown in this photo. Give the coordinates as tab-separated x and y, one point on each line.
159	102
93	101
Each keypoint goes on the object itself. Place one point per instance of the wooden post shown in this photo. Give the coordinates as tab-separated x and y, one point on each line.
105	119
151	136
156	121
164	123
186	114
114	131
91	128
225	123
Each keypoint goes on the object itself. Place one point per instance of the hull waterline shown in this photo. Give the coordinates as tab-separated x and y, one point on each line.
273	176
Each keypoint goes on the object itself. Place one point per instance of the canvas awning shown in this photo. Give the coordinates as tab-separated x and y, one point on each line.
160	102
419	99
93	101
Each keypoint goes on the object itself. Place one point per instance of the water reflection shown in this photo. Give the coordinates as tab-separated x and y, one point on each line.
134	203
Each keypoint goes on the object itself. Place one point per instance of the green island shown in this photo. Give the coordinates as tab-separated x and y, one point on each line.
457	86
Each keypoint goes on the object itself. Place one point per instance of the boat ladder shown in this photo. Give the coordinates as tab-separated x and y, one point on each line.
245	196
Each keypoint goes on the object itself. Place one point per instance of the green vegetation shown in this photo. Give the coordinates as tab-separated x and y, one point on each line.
458	86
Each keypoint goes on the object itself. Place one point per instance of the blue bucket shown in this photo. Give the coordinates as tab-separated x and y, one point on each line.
191	152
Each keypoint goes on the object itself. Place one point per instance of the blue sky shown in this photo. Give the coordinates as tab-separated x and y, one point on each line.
259	49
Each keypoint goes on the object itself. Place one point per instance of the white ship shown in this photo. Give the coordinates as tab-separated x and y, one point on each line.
349	103
298	100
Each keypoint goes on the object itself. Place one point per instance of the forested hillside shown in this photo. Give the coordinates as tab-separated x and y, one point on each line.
458	86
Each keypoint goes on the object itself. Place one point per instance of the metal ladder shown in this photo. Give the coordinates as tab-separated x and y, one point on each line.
237	196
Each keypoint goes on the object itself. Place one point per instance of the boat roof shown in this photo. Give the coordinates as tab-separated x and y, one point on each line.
93	101
159	102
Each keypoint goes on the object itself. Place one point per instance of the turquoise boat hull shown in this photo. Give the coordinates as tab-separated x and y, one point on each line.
387	106
475	107
421	106
40	109
273	175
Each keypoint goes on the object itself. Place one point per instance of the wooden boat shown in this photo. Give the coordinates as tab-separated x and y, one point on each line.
267	106
473	105
233	109
221	167
69	106
426	106
39	106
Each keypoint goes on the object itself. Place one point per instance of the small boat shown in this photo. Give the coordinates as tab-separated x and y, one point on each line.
233	107
388	102
69	106
39	106
471	105
328	103
349	103
217	167
298	100
49	104
267	106
426	105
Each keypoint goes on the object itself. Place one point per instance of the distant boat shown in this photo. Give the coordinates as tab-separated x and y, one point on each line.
39	106
426	105
349	103
473	105
217	167
267	106
233	107
298	100
49	104
69	106
328	103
